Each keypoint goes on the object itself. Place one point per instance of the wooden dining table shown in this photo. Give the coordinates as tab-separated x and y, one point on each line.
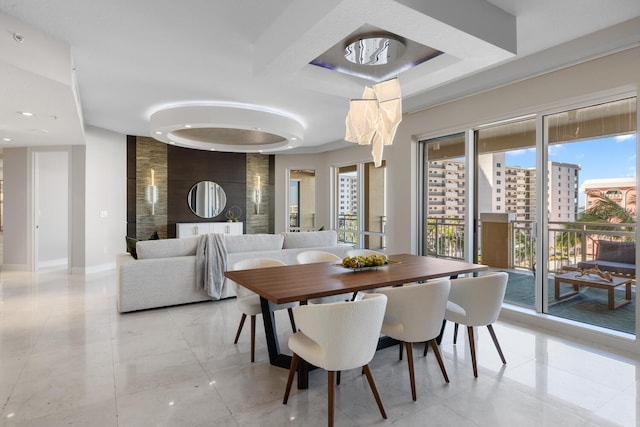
301	282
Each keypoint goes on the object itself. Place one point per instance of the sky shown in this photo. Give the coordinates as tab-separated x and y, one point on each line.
611	157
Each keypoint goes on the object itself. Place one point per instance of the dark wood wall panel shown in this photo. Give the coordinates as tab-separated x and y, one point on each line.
131	185
186	167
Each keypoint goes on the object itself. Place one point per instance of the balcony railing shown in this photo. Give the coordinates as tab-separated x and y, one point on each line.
569	242
445	238
349	232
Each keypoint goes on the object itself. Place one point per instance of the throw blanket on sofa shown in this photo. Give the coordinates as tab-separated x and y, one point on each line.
211	259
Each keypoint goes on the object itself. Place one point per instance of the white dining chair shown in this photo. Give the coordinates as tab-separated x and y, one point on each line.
414	314
248	302
337	337
476	301
313	256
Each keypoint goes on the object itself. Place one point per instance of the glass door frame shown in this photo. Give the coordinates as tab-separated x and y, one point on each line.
469	187
361	197
542	161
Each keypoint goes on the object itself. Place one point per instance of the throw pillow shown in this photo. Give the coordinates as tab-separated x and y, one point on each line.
131	243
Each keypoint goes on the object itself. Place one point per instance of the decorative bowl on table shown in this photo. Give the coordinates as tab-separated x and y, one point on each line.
360	262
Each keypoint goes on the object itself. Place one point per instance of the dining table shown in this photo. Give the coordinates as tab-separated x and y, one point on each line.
302	282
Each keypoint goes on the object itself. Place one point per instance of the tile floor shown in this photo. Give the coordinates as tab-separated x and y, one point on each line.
68	358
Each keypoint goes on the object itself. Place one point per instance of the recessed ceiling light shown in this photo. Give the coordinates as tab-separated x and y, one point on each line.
6	139
25	113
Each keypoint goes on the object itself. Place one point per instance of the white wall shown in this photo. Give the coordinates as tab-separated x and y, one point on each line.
106	198
52	207
97	173
16	214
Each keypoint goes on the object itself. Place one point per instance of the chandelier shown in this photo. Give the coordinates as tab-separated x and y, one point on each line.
374	119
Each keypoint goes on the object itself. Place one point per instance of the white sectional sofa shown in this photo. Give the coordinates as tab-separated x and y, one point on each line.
165	272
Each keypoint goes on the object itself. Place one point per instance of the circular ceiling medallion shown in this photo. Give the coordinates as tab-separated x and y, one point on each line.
373	49
225	128
225	135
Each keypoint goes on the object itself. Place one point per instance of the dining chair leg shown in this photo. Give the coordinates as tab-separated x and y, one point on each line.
455	333
331	397
292	372
436	350
426	348
374	389
253	339
412	377
400	351
495	341
242	319
472	347
291	319
441	334
338	377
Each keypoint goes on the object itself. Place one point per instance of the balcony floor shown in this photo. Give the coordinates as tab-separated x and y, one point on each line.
588	306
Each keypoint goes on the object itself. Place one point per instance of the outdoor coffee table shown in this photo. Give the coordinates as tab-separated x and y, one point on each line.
594	282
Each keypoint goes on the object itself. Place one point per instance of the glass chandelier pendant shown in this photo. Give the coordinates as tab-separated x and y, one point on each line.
374	119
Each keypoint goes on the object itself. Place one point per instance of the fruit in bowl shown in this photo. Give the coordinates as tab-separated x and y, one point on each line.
360	261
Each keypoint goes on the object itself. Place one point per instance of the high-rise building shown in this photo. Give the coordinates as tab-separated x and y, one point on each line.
348	195
502	188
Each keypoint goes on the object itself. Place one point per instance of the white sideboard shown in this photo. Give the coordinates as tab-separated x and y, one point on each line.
190	229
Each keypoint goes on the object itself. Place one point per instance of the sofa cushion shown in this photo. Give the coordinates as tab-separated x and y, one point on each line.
619	252
131	243
167	248
310	239
252	242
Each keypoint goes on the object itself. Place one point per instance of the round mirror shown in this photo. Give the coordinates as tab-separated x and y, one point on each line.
207	199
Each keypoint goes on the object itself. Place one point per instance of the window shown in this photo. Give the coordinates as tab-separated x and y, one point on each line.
362	221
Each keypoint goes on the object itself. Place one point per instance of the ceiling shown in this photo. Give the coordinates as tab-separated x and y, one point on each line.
136	67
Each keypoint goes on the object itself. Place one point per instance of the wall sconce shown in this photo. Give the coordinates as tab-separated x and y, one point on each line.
152	193
257	195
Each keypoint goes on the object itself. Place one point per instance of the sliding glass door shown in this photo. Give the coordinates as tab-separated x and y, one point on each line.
591	205
443	199
506	204
361	198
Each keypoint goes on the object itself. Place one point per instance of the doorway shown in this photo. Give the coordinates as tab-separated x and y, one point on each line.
51	210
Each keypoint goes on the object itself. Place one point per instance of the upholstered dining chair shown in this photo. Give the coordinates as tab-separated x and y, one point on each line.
414	314
336	337
310	257
476	301
248	302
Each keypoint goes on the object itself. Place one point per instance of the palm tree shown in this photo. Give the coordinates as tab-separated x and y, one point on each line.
606	210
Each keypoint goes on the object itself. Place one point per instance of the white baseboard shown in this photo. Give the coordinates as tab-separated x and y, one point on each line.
15	267
53	263
96	268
